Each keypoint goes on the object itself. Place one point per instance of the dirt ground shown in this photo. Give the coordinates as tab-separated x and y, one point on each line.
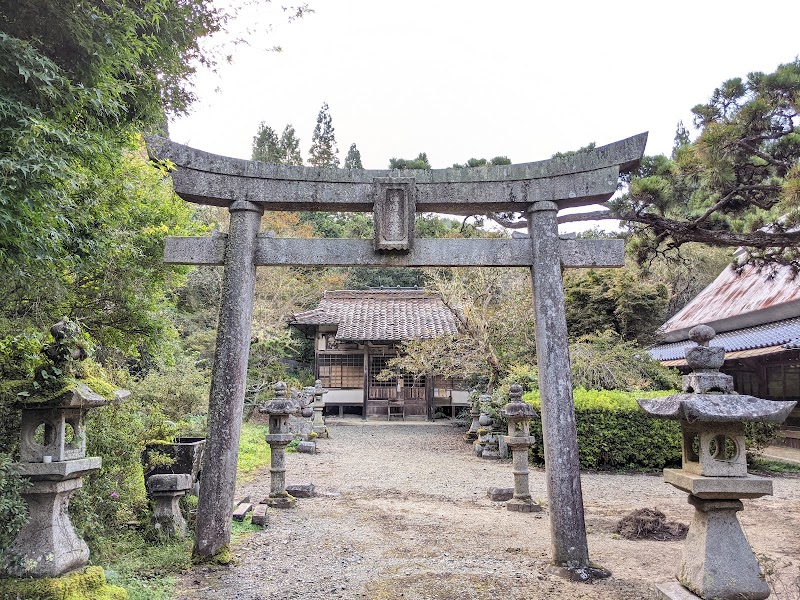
402	513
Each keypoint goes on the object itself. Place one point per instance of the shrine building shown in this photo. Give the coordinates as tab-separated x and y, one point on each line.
357	332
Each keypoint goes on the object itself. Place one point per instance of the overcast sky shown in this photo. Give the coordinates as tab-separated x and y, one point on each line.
461	79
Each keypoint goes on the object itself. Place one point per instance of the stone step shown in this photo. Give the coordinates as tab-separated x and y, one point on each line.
241	511
260	516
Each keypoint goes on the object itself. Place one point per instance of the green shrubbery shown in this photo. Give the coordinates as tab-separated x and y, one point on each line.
613	432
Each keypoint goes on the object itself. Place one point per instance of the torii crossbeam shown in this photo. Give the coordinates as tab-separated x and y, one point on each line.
539	189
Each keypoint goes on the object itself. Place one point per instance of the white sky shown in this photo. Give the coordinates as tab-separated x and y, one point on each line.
458	79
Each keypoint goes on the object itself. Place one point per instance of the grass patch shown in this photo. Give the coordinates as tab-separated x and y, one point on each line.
253	451
241	529
147	570
771	466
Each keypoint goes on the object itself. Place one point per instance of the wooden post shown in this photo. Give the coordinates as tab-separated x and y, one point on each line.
228	382
568	545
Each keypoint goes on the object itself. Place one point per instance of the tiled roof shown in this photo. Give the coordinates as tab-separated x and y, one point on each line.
784	333
381	314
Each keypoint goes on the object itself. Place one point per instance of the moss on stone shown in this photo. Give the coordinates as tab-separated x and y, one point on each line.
89	584
223	556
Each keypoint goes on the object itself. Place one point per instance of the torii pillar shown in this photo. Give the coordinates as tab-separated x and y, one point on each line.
539	189
568	545
228	381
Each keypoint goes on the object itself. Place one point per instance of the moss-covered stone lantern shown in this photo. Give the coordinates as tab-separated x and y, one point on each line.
53	456
717	560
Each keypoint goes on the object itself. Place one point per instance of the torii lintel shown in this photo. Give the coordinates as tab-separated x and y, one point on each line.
570	180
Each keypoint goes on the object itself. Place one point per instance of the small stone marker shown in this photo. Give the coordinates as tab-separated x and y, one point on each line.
240	512
240	500
498	494
307	447
260	516
301	490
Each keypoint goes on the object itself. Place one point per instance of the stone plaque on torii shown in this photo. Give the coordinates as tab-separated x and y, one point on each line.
539	189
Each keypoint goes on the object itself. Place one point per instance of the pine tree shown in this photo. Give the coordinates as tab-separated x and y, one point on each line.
353	158
290	147
266	147
323	149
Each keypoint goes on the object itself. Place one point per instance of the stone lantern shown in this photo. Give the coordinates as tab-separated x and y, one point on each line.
53	457
318	424
717	560
279	410
519	414
475	412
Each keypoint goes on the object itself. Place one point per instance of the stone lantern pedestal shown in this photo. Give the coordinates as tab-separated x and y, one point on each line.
519	440
318	424
717	561
279	409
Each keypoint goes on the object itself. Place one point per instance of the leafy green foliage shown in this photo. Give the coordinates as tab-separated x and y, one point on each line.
614	433
147	570
604	360
323	149
419	163
13	511
482	162
737	184
613	299
266	145
268	148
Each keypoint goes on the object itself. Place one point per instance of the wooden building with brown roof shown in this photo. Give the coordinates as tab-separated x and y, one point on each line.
357	332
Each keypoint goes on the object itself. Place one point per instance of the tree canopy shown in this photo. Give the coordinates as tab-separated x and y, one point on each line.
353	158
419	163
736	184
323	151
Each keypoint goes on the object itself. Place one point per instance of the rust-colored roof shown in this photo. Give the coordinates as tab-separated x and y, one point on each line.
734	301
381	314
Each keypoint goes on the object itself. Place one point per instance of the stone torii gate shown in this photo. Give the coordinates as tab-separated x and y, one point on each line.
539	189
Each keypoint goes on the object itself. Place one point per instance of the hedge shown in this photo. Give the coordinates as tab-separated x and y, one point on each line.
614	433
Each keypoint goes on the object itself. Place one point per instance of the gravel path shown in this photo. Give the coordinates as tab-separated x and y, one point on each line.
403	513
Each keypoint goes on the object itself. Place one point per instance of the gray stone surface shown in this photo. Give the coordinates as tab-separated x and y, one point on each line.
228	380
720	488
673	590
719	408
498	494
717	560
576	180
179	482
703	383
260	516
307	447
722	449
301	490
565	497
394	213
59	471
477	252
48	544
